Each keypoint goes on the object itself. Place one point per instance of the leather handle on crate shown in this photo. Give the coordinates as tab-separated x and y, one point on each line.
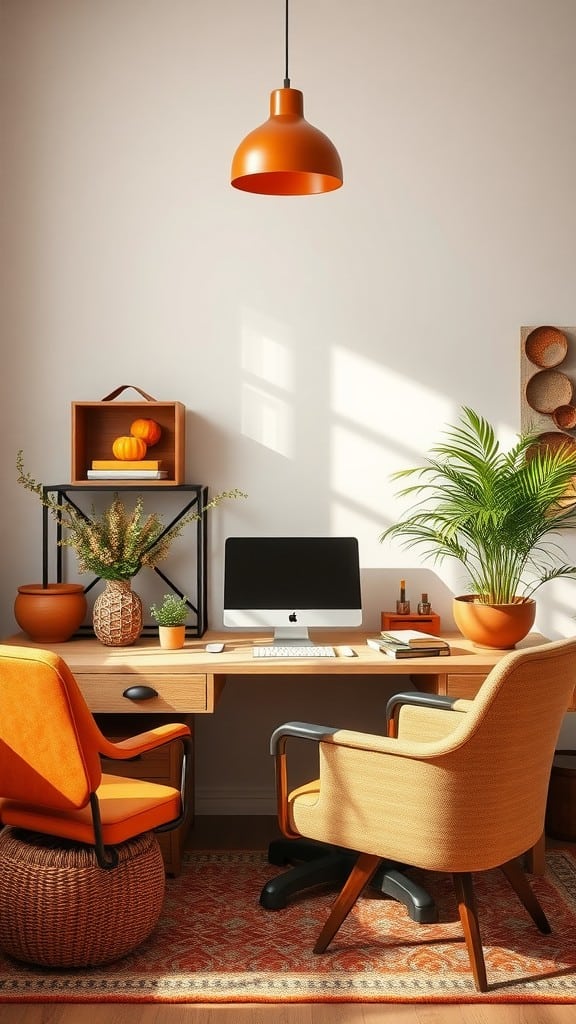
117	391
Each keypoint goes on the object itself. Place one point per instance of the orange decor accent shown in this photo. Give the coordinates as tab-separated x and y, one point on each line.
128	447
214	944
50	614
546	347
286	156
500	626
427	623
148	430
172	637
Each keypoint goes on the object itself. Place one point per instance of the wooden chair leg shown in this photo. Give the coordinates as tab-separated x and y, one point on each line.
536	857
357	880
515	875
467	909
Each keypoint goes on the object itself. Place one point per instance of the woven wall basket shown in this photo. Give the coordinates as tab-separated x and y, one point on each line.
548	389
117	614
61	909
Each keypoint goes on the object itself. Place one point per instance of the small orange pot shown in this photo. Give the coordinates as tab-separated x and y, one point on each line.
172	637
500	626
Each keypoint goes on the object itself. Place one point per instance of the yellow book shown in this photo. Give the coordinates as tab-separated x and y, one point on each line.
126	464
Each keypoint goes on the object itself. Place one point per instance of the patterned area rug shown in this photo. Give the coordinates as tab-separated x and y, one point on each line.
216	944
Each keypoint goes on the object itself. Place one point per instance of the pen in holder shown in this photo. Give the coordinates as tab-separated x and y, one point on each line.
402	606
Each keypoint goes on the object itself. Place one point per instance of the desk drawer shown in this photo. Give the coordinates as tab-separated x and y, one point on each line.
104	693
465	685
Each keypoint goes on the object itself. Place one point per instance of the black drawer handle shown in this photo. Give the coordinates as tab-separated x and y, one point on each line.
140	692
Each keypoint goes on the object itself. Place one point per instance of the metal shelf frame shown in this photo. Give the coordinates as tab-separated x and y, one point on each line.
196	502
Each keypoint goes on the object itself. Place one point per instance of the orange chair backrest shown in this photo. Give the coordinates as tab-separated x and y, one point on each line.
48	738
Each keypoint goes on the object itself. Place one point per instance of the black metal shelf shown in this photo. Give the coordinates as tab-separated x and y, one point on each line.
197	503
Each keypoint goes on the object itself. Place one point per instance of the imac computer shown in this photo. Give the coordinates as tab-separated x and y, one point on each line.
288	584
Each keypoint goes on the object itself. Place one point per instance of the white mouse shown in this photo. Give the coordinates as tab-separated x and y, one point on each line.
214	648
347	652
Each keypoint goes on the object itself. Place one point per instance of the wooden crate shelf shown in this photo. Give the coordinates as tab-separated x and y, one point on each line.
95	425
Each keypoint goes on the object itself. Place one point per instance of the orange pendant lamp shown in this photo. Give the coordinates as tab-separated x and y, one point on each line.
286	156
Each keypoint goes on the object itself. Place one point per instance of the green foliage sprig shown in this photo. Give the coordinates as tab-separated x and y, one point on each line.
495	512
114	544
173	611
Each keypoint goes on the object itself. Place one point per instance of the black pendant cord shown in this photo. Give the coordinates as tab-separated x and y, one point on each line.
286	78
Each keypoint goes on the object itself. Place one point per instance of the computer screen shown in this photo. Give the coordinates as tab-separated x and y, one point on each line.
291	583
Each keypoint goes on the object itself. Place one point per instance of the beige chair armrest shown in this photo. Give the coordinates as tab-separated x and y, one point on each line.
415	698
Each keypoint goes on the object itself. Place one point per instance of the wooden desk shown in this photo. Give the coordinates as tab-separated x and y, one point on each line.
190	682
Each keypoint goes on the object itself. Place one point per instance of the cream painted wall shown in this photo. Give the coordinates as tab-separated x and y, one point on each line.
318	343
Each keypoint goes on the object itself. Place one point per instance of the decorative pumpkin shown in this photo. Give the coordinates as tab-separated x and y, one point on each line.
148	430
129	448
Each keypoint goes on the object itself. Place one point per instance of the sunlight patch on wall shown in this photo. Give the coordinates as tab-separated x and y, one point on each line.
387	405
267	358
556	608
267	404
364	498
383	421
358	471
268	420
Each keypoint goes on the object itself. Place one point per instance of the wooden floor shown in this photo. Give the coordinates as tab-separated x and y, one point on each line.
255	833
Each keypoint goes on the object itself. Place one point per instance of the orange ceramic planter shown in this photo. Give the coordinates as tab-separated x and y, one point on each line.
500	626
172	637
50	614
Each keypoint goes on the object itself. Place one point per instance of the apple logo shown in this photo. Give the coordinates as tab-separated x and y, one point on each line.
292	617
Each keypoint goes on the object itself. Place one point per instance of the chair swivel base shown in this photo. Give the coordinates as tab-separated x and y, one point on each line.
318	864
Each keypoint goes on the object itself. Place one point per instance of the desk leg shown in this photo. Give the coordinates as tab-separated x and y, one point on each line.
430	683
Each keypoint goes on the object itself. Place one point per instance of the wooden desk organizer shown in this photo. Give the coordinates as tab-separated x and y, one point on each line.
426	623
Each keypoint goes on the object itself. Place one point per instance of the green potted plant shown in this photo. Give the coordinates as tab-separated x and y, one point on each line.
114	545
171	617
498	513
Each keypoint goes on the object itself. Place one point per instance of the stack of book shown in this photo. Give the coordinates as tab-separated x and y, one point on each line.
409	643
118	469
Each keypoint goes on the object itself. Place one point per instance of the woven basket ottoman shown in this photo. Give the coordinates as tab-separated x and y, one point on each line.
59	908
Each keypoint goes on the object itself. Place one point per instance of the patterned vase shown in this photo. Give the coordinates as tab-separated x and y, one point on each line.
117	614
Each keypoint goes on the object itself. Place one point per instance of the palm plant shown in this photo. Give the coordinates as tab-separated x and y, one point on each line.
495	512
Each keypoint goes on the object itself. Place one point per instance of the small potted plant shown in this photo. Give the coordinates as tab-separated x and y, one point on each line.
171	617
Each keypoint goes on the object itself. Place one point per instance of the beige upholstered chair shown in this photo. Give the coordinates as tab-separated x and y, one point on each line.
459	789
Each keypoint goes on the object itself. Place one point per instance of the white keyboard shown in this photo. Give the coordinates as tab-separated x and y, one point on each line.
276	651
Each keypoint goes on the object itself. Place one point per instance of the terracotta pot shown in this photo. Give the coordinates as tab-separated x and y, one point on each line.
50	614
172	637
117	614
500	626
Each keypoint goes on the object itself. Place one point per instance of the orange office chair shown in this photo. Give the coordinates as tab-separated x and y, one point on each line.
52	785
461	788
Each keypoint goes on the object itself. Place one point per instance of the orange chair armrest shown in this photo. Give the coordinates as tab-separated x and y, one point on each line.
139	744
